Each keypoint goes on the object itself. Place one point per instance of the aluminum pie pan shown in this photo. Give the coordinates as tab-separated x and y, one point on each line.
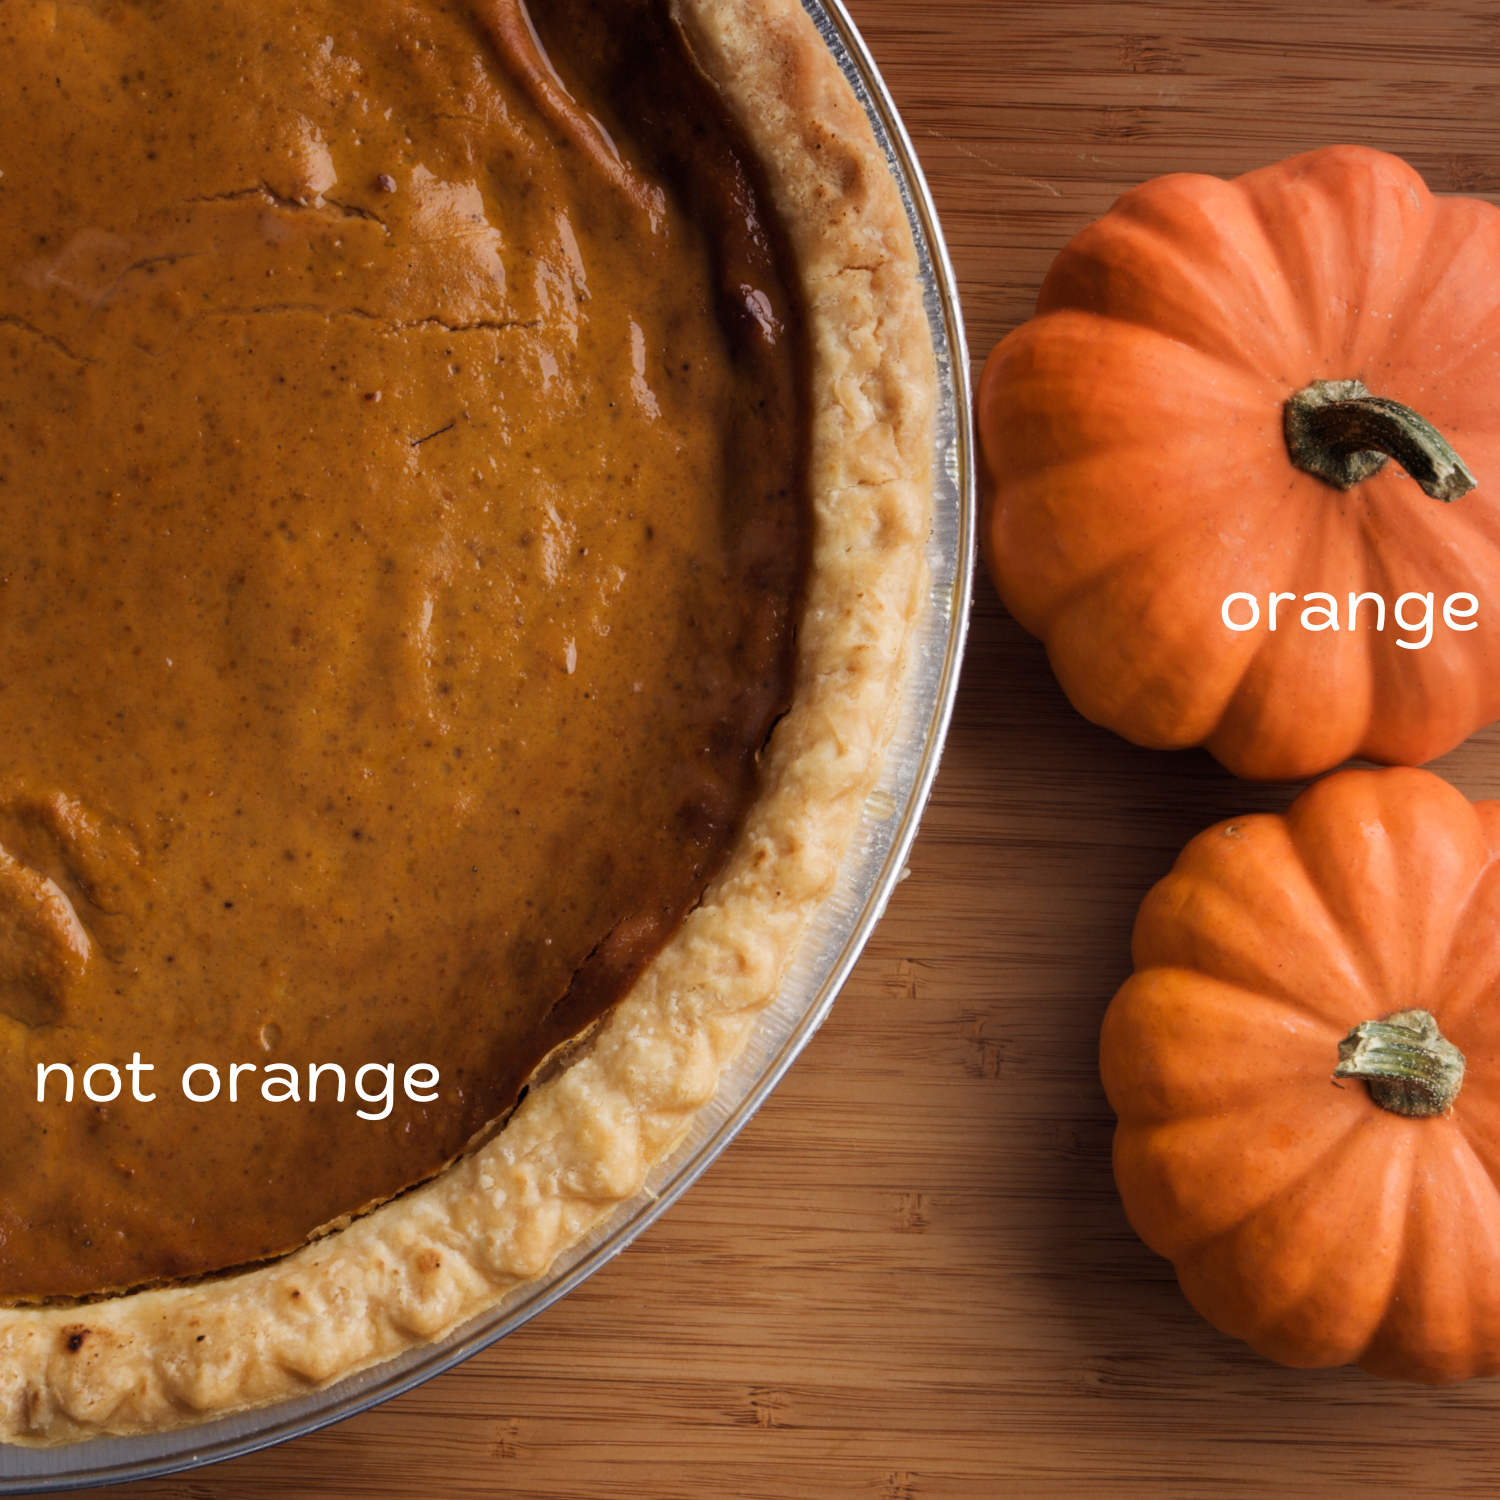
870	871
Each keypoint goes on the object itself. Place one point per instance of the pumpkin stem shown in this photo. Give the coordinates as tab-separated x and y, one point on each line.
1411	1067
1338	431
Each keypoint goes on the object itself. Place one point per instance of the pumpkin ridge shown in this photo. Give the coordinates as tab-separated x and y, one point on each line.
1453	1359
1282	1330
1242	737
1394	553
1186	1238
1206	685
1170	1164
1450	244
1256	366
1482	1159
1226	965
1324	212
1307	919
1422	818
1250	737
1154	1004
1061	457
1154	250
1132	697
1444	1007
1122	338
1455	1007
1387	690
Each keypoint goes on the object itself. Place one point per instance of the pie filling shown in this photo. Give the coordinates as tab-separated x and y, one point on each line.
401	524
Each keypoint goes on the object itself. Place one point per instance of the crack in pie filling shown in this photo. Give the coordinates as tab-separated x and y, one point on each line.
463	480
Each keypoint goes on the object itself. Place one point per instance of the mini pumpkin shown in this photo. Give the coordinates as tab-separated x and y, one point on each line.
1203	407
1305	1066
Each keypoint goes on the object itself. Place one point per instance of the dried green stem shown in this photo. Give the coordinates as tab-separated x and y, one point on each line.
1338	431
1411	1067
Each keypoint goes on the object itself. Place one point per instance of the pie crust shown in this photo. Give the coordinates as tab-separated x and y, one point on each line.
583	1140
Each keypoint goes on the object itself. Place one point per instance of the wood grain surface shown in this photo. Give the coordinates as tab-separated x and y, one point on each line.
910	1278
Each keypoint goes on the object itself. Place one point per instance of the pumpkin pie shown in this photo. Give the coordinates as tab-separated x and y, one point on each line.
464	480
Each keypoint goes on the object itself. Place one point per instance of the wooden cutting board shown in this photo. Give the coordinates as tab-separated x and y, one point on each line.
910	1277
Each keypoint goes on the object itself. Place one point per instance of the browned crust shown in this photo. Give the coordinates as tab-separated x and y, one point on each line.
582	1142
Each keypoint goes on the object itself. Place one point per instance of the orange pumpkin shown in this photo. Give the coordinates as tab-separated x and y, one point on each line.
1138	474
1306	1070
